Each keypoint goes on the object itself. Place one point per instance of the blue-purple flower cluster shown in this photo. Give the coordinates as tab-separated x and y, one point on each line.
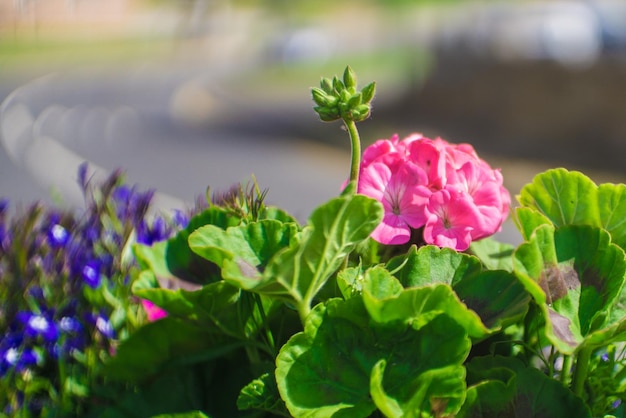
65	289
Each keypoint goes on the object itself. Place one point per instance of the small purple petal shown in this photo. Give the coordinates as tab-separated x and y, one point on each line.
91	273
104	326
58	236
39	325
180	219
70	325
82	175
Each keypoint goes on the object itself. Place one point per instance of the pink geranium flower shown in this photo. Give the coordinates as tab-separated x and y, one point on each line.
152	311
445	188
451	218
399	186
484	185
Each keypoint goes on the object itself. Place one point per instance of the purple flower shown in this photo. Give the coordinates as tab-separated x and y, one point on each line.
104	326
38	325
58	236
90	273
18	359
149	234
180	219
70	325
82	175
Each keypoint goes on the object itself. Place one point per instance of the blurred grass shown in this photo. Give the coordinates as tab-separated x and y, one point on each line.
30	54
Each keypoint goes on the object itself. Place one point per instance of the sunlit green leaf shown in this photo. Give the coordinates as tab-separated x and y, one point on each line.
565	197
430	264
496	296
493	254
575	274
528	219
242	252
326	370
612	207
386	301
437	392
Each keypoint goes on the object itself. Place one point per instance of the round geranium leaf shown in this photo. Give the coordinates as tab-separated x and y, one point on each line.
495	297
575	275
528	219
505	387
430	264
326	370
565	197
612	208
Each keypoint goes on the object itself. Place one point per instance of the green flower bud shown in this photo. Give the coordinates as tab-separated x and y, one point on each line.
345	96
354	101
327	85
368	92
360	113
327	114
349	78
339	99
319	96
338	85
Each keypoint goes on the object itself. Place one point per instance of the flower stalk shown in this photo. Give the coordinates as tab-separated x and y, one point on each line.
340	99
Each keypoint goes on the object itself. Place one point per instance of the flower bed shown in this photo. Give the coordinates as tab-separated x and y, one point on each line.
392	300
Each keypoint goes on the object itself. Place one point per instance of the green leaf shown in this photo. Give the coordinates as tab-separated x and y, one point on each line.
504	386
152	257
277	214
335	228
496	296
431	264
182	262
326	370
150	348
439	392
528	219
242	252
565	197
575	274
349	281
262	394
493	254
207	385
386	301
205	303
612	208
194	414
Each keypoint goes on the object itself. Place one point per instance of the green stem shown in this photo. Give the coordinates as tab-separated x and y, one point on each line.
304	309
580	371
355	142
566	369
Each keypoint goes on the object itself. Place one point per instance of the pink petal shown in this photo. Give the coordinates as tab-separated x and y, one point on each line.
154	312
393	230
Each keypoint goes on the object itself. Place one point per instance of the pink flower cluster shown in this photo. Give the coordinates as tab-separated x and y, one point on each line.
444	188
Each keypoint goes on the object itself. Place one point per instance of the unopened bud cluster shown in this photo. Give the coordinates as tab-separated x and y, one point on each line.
340	99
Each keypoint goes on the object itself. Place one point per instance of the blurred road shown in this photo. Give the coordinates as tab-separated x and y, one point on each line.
140	121
16	184
143	122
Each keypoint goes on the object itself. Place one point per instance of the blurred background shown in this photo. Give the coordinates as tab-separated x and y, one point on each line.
185	94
